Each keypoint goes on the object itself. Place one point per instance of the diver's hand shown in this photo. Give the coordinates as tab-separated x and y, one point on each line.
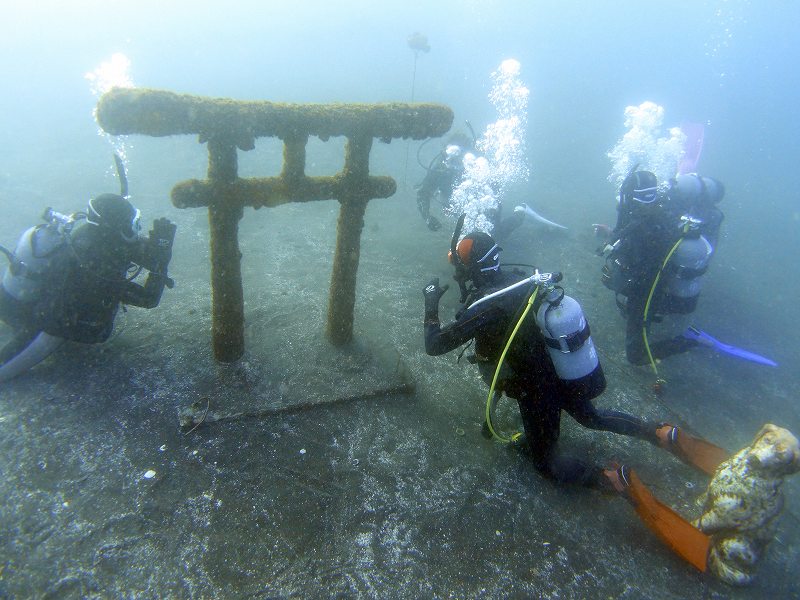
604	251
433	293
433	223
162	236
601	230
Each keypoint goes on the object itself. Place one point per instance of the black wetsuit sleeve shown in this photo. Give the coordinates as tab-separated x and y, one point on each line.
144	296
154	259
439	340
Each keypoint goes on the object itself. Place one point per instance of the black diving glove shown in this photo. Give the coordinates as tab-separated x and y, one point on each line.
162	236
433	293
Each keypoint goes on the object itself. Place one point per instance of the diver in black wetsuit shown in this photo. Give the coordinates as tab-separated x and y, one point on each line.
443	174
528	374
660	251
68	277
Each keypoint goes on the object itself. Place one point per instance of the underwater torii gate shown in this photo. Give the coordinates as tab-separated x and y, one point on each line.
227	126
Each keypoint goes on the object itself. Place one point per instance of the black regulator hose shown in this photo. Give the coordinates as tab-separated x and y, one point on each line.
436	158
123	178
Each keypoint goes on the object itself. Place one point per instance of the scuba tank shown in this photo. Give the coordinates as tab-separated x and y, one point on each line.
569	344
33	257
25	277
684	271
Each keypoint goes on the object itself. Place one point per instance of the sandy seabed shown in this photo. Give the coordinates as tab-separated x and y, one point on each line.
314	485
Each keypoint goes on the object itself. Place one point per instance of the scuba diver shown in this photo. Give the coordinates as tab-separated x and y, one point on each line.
442	174
67	277
447	170
663	243
548	362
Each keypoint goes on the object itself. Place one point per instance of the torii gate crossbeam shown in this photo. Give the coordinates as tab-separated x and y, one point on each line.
227	126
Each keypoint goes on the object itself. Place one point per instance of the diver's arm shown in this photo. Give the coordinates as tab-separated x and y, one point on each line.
147	295
155	254
626	225
623	218
155	251
615	237
438	339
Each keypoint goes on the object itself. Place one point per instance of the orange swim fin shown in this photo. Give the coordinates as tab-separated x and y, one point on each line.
697	452
685	539
700	453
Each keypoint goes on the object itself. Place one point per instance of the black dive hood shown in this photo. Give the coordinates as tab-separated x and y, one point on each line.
631	171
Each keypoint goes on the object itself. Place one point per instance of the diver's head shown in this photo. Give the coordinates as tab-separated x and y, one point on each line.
639	188
114	214
477	258
462	140
453	156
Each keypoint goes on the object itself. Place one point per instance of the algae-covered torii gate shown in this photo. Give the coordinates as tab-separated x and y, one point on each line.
227	126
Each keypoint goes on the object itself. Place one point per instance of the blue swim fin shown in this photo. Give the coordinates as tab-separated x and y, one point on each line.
693	333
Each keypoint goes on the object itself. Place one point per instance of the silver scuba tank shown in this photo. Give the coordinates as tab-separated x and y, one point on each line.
36	248
687	266
569	344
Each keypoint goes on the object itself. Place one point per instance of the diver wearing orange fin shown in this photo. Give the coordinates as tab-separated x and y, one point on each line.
680	535
546	361
683	538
